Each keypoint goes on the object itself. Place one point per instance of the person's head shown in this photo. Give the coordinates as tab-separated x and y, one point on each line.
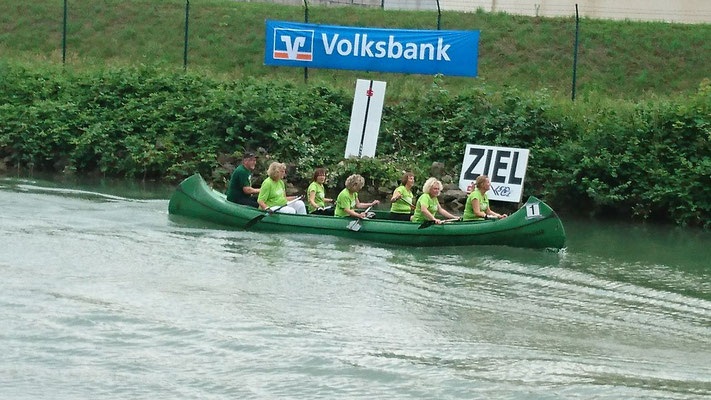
276	170
483	183
355	183
320	175
408	178
249	160
432	186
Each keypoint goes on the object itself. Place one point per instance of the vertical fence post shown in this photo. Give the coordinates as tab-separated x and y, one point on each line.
185	49
306	20
575	51
64	34
382	4
439	15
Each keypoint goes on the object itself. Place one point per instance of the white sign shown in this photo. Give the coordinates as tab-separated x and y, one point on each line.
365	118
505	167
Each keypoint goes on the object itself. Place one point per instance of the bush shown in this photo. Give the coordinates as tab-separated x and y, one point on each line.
650	160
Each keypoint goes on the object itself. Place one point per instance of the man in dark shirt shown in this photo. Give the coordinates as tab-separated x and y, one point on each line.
240	190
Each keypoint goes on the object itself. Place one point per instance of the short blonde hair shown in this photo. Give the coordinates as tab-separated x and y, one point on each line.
355	183
480	180
429	184
274	170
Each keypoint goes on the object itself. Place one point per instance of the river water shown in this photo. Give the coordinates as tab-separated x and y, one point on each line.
102	296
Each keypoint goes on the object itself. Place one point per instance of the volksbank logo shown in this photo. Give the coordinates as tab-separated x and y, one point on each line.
293	44
360	46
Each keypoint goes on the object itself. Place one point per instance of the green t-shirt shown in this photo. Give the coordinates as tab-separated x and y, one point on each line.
273	193
469	210
401	206
241	177
432	205
345	200
318	198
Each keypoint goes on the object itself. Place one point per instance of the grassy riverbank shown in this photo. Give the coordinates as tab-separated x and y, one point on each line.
617	59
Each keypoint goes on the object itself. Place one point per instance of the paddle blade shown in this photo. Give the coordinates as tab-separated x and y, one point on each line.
254	220
354	225
426	224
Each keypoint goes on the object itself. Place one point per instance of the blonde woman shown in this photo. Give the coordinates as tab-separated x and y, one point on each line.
347	201
477	207
272	194
428	206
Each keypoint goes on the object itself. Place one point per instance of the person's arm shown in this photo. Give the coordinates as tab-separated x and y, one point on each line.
495	215
364	205
248	190
396	195
429	215
262	205
353	213
312	199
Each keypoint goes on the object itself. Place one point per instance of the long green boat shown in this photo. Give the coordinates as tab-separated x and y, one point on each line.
535	225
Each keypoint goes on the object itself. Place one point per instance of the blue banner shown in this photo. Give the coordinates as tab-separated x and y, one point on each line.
367	49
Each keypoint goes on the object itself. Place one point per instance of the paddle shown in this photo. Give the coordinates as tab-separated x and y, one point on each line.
430	222
260	217
355	224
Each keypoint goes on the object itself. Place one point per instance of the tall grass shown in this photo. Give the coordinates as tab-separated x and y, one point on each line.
625	59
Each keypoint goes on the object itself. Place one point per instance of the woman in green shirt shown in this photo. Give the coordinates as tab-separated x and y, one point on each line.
272	194
316	194
427	205
347	200
401	207
477	207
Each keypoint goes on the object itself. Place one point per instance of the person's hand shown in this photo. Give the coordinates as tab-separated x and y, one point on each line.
375	202
438	221
361	215
502	216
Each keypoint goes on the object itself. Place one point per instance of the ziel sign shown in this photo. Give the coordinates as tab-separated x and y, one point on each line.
505	167
367	49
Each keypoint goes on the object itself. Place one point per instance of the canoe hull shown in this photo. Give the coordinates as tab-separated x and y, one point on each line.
542	229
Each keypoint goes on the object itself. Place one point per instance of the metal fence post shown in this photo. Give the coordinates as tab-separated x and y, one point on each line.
64	34
575	51
185	49
439	15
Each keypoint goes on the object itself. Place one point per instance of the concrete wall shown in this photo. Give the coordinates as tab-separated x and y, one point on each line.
685	11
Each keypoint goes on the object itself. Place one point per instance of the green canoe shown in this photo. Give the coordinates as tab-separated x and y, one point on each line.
535	225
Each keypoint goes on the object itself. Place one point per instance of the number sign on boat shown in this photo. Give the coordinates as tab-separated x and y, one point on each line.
505	167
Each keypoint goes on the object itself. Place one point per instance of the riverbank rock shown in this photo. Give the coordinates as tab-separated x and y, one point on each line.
437	170
292	190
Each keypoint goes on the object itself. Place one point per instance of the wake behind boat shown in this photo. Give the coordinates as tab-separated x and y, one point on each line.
535	225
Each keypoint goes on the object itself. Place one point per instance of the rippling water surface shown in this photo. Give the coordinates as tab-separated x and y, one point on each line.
103	297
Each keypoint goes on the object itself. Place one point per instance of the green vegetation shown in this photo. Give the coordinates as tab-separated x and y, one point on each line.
648	160
617	59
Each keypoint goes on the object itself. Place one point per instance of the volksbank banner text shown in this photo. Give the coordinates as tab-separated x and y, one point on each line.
367	49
